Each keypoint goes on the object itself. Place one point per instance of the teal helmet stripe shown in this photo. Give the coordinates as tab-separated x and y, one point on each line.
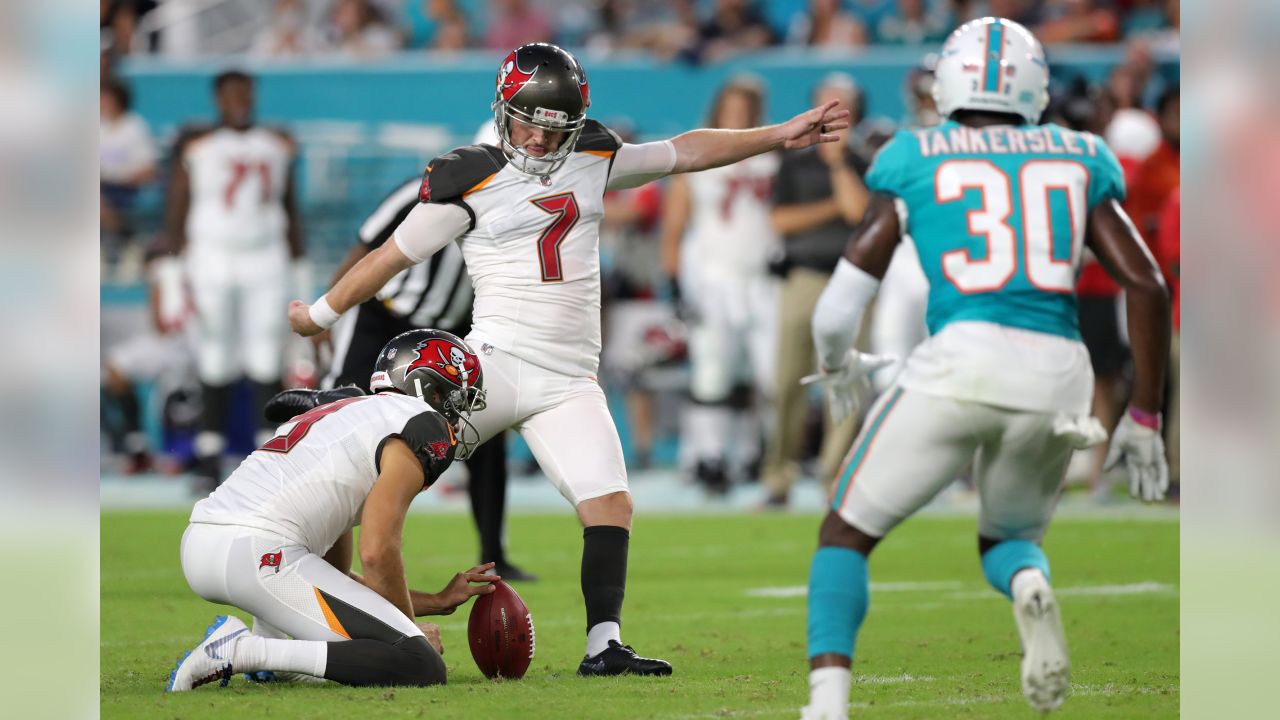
994	53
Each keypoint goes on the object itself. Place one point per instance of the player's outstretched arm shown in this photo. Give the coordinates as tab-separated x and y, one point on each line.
359	284
710	148
838	315
1137	440
427	229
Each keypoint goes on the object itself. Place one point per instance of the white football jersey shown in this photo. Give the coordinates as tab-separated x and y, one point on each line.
730	231
533	250
308	484
237	191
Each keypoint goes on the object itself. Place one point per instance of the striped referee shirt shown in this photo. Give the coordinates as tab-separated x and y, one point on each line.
435	293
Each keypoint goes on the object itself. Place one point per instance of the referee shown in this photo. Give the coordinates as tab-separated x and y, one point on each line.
433	294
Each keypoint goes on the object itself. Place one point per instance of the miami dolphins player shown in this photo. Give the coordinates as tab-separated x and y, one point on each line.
1001	210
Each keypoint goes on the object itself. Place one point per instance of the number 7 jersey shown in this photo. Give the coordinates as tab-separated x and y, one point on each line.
998	217
533	248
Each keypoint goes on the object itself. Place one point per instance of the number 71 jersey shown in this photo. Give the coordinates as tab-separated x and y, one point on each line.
998	217
533	249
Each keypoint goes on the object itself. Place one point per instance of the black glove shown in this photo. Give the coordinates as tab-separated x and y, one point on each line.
685	312
287	405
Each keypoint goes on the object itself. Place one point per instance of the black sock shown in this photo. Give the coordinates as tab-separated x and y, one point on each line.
130	412
217	405
604	572
363	662
488	490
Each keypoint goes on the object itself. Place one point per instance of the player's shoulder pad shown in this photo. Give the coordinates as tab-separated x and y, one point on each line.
596	138
891	162
187	135
432	441
289	142
462	170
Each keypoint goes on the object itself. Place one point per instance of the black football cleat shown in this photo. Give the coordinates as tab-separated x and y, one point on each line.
620	659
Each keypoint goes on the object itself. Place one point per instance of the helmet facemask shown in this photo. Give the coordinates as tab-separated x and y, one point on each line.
549	120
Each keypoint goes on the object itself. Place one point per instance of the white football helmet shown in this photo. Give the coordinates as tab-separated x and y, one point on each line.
995	65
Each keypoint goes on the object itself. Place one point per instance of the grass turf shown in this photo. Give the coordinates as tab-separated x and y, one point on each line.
937	641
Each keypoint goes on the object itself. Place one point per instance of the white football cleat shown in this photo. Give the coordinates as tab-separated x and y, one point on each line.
1046	669
211	659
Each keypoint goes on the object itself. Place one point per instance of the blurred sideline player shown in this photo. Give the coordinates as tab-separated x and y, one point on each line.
527	215
276	539
716	243
231	213
436	294
164	347
1004	379
818	198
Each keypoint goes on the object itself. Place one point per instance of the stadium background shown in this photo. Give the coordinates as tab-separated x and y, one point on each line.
717	590
366	119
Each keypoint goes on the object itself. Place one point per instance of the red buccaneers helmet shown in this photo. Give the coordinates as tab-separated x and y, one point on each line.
439	368
542	85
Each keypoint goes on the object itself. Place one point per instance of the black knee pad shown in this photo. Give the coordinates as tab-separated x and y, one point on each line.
421	664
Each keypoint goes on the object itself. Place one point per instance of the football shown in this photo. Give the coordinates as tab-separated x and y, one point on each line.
500	631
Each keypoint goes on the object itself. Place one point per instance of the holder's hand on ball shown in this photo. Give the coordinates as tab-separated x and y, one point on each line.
460	589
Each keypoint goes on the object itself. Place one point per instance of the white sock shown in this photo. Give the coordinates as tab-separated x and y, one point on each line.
600	634
1025	578
253	653
829	691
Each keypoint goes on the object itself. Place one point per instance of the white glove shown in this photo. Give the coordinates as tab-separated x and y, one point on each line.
1142	450
843	383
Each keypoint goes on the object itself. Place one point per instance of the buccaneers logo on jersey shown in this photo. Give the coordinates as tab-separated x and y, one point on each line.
455	364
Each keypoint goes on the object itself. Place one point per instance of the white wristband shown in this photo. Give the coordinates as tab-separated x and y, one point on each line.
322	314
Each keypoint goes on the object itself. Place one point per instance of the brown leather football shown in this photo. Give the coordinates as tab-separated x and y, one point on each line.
501	633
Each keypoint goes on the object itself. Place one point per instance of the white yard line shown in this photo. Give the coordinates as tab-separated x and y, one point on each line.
1109	690
953	591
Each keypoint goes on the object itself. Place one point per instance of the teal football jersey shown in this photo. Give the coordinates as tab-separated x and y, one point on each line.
998	217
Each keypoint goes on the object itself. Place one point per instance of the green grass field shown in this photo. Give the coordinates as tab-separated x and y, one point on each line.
936	643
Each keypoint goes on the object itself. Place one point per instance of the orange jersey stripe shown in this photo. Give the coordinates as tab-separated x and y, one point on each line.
329	617
599	153
479	185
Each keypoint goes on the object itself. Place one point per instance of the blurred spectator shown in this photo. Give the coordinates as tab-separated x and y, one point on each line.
922	109
451	30
289	34
1146	16
164	348
872	12
664	29
1020	11
444	25
1077	21
127	156
735	26
1158	175
916	22
359	29
118	24
513	23
1130	130
818	198
827	24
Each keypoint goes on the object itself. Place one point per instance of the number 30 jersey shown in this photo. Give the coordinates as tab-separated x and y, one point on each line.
308	484
533	248
998	218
